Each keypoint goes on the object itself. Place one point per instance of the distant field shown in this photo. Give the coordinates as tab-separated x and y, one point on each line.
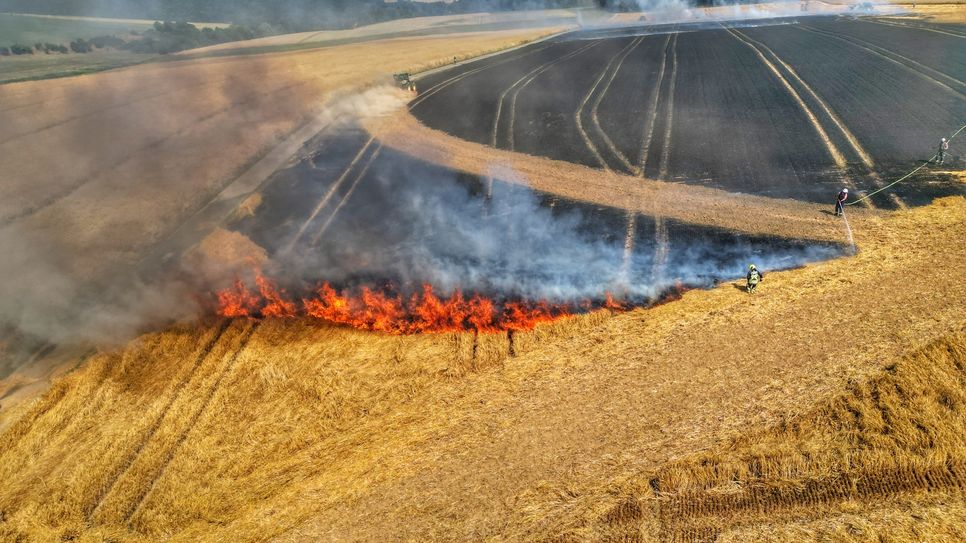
30	29
43	66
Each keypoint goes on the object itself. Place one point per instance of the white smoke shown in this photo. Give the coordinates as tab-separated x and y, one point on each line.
684	11
408	223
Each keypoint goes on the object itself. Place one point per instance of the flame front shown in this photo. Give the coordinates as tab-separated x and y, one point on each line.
369	309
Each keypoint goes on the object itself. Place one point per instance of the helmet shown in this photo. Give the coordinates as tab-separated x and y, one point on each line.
944	139
845	190
752	267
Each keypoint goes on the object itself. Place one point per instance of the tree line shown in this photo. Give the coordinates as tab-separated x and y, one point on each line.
165	37
288	15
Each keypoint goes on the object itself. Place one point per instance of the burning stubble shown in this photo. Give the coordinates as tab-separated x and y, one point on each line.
404	226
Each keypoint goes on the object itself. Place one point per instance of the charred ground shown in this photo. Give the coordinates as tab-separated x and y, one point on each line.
848	102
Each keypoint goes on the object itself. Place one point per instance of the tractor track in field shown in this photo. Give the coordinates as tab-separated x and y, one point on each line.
348	194
661	242
916	27
853	142
175	394
67	191
514	89
895	58
703	517
669	122
600	97
146	490
651	118
113	106
763	52
461	76
782	126
516	92
837	157
609	72
330	193
23	426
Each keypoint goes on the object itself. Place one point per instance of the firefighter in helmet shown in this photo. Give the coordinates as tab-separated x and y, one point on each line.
943	149
754	277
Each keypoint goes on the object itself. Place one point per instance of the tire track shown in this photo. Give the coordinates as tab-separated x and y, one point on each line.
12	435
830	146
666	148
146	489
583	103
518	86
630	235
916	27
512	88
348	194
833	151
328	196
131	457
908	64
662	248
703	516
459	77
75	186
661	241
600	97
648	133
630	230
849	136
830	113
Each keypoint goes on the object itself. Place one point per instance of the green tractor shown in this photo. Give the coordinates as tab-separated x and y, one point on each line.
404	81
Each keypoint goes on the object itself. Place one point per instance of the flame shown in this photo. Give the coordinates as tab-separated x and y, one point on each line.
370	309
236	301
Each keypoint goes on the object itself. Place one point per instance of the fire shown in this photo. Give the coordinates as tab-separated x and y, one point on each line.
371	309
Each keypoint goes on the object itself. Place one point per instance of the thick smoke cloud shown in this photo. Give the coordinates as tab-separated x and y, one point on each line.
407	223
41	298
102	262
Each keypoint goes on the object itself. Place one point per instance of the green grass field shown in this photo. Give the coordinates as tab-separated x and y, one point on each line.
31	29
43	66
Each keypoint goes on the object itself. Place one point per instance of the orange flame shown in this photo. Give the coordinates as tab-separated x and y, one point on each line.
423	312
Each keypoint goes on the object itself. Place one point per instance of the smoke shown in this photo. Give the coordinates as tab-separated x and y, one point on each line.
392	221
40	297
407	223
689	11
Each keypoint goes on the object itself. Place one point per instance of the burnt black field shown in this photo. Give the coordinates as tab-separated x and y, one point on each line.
733	123
396	222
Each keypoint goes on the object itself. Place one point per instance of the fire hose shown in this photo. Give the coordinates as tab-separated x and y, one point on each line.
908	175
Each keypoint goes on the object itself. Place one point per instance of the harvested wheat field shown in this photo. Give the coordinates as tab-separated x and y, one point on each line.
285	428
270	295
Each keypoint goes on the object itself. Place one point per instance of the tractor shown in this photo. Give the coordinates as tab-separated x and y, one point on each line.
404	81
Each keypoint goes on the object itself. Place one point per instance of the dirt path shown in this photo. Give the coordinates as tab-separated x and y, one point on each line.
520	449
687	203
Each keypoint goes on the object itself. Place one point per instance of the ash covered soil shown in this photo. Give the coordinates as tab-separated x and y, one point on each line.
791	108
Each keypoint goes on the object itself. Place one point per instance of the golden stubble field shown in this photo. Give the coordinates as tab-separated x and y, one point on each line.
833	400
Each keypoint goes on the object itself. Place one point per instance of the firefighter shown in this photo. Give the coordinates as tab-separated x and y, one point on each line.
840	202
943	147
754	277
